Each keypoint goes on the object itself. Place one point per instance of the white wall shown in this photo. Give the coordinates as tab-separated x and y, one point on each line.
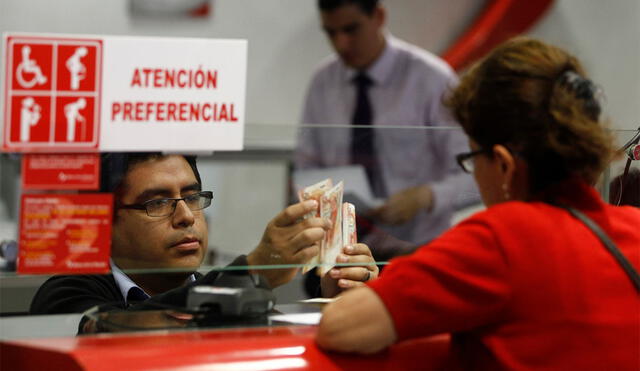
285	41
605	36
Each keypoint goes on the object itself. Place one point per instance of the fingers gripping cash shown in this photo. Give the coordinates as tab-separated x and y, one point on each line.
318	231
339	244
329	199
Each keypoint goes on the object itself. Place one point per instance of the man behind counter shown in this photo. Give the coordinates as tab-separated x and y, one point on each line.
374	80
159	223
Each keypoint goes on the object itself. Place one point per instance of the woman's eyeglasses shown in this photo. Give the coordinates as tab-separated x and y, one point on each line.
465	160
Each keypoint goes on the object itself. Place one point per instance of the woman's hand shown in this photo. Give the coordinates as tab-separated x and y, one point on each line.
343	277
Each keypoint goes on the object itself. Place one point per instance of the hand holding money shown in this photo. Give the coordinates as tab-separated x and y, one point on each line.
343	277
330	208
288	239
340	242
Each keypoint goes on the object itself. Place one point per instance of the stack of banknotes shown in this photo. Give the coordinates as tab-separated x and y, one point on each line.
342	217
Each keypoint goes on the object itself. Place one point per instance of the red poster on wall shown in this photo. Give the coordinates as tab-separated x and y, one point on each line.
78	171
65	233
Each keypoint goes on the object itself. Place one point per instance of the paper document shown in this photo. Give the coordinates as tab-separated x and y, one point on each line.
318	301
298	318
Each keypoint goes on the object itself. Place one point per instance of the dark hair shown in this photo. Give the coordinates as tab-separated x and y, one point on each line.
115	166
534	98
367	6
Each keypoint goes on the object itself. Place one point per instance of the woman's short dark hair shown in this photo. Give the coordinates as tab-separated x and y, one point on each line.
535	99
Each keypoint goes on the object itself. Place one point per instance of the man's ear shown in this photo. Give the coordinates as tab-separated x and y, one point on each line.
505	163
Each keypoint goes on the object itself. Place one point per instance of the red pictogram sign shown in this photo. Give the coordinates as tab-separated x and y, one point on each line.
52	99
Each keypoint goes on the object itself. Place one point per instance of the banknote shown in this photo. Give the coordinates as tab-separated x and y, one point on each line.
314	192
331	210
349	235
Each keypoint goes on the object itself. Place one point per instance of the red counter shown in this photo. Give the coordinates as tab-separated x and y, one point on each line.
264	348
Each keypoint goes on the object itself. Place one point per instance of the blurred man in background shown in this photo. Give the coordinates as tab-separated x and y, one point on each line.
376	80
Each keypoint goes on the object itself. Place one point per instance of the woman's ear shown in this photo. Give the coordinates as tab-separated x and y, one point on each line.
505	163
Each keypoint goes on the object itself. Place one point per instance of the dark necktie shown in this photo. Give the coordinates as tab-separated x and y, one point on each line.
362	147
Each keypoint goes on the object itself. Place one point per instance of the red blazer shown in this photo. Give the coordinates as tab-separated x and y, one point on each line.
525	286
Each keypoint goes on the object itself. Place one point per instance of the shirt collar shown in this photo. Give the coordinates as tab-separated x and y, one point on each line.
123	281
380	70
125	284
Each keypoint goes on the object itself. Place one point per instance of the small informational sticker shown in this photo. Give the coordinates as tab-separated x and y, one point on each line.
65	233
61	171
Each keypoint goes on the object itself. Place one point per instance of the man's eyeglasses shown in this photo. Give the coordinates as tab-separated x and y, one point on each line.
167	206
465	160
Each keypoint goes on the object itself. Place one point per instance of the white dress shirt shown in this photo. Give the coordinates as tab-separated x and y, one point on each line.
406	97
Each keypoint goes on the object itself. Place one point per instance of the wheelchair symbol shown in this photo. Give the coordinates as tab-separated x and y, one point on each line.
28	72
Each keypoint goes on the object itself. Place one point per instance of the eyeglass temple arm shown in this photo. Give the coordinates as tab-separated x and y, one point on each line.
136	207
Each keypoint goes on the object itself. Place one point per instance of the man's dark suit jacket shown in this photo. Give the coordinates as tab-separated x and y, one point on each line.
76	294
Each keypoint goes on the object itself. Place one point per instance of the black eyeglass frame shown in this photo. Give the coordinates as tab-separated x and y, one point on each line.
462	157
208	195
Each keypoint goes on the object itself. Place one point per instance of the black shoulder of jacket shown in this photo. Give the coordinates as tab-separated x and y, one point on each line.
76	294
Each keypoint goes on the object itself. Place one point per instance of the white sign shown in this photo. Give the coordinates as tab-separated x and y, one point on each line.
89	93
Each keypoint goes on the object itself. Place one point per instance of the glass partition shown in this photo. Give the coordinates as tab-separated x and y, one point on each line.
251	224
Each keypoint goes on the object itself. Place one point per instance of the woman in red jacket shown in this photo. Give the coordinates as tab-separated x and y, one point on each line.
524	284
